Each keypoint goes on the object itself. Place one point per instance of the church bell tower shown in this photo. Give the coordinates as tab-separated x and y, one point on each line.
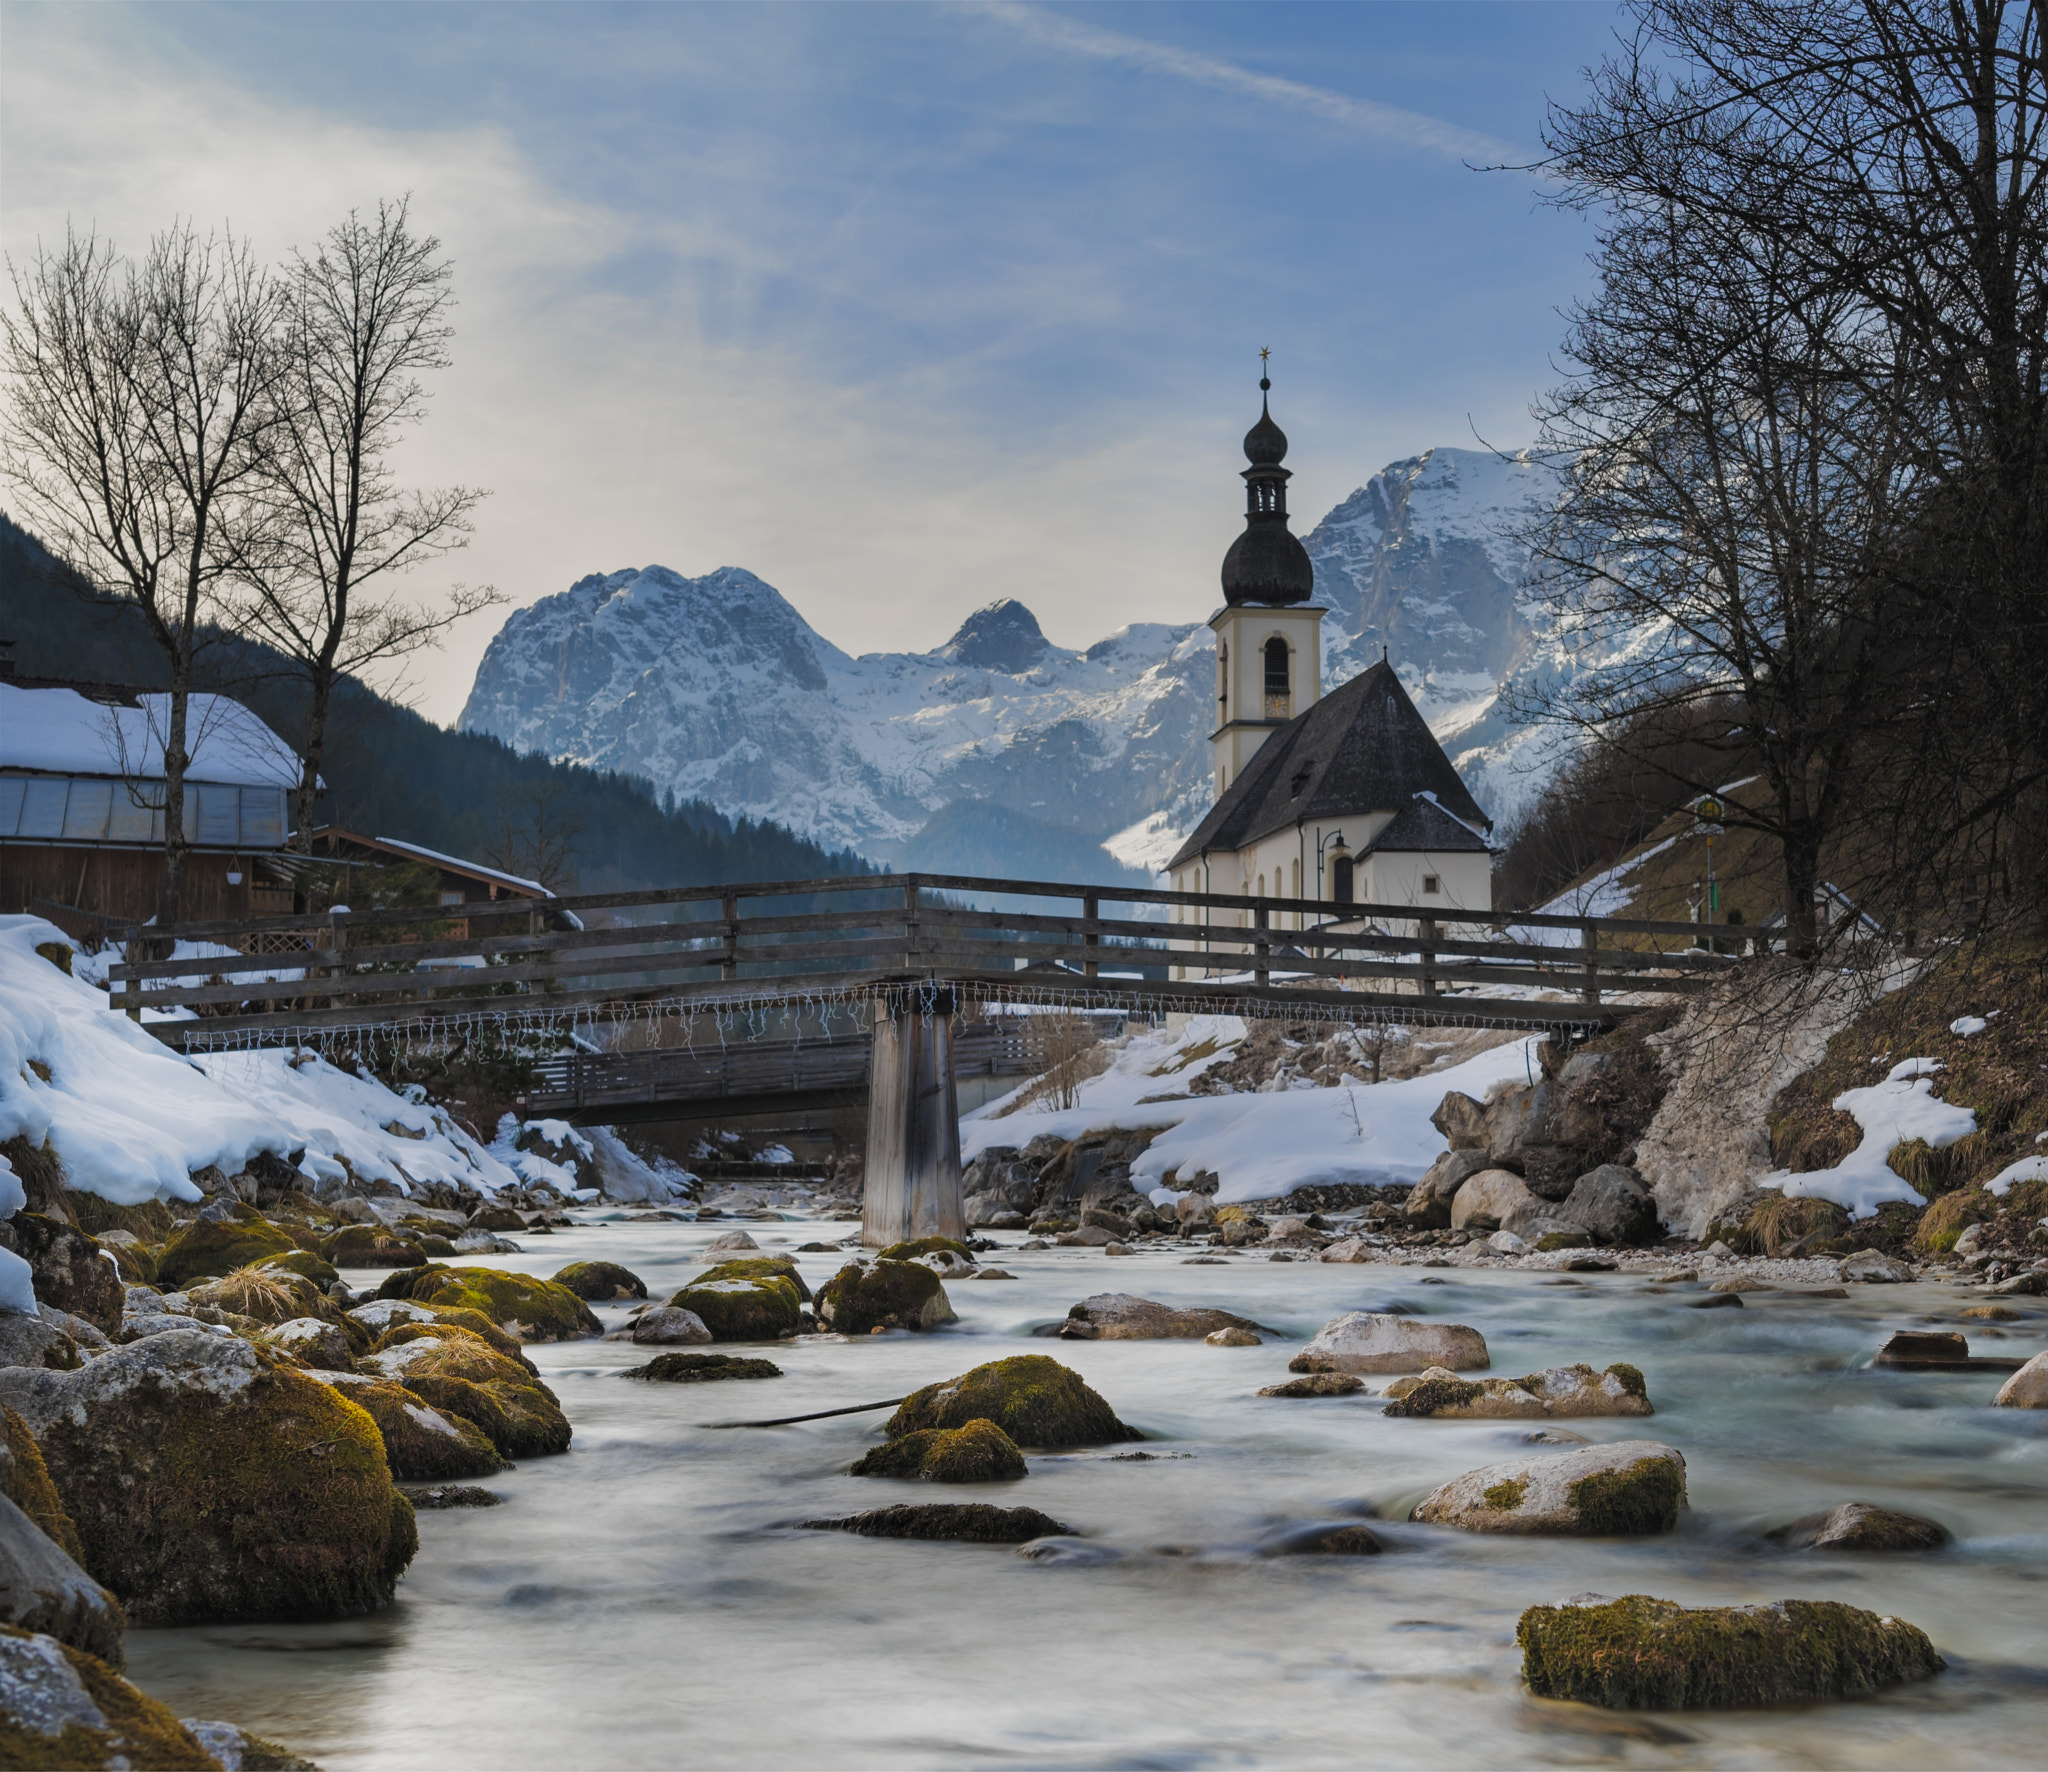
1269	652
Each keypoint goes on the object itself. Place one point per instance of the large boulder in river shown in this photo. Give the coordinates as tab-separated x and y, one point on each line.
311	1342
600	1281
747	1307
1640	1653
1119	1316
1380	1341
69	1269
1629	1487
533	1310
2027	1388
1857	1526
666	1325
208	1247
423	1444
980	1452
1428	1206
459	1374
974	1521
1033	1399
210	1484
870	1294
382	1315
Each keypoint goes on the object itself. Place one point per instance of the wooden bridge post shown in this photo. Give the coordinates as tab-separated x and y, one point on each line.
1589	943
910	955
1425	934
729	907
1091	909
1261	949
912	1186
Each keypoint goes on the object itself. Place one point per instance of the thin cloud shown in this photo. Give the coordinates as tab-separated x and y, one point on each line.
1390	123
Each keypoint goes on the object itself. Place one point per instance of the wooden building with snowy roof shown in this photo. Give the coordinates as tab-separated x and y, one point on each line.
1347	797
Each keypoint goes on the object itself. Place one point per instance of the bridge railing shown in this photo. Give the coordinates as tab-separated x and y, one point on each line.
277	978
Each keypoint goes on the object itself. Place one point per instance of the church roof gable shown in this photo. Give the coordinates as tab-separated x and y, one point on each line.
1423	825
1362	748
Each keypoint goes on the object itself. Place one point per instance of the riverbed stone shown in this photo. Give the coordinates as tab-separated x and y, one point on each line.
1382	1341
27	1340
62	1706
523	1306
206	1248
370	1245
976	1522
597	1281
304	1263
1428	1206
1858	1526
313	1343
42	1587
1233	1337
1122	1316
1031	1397
380	1316
978	1452
743	1307
731	1240
422	1444
1627	1487
1328	1541
2027	1388
1316	1384
1611	1205
186	1461
667	1325
874	1293
1873	1266
1642	1653
701	1369
1559	1391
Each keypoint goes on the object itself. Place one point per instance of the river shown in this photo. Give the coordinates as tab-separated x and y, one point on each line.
643	1602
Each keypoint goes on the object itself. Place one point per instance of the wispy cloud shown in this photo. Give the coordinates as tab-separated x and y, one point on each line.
1389	123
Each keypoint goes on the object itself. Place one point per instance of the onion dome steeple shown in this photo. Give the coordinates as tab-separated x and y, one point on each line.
1266	564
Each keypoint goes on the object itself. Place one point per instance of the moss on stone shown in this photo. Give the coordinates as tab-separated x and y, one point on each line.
1508	1495
370	1245
1553	1240
701	1368
759	1267
138	1731
973	1521
1316	1384
1340	1541
423	1444
534	1310
452	1317
1433	1395
1642	1498
267	1295
208	1248
1630	1378
1031	1397
496	1218
459	1374
1640	1653
244	1491
979	1452
306	1264
743	1307
30	1489
917	1246
864	1296
601	1280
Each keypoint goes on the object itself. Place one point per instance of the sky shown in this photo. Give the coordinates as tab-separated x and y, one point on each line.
903	308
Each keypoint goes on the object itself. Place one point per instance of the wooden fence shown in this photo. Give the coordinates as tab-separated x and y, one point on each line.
279	979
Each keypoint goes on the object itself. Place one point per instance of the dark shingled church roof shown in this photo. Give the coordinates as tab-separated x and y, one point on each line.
1362	748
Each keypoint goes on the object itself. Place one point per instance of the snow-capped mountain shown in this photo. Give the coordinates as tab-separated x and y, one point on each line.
999	752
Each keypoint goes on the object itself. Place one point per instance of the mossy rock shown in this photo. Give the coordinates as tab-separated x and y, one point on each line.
1640	1653
137	1262
701	1368
453	1325
152	1221
1554	1240
975	1522
1031	1397
304	1263
380	1328
70	1269
370	1245
54	1693
459	1374
208	1248
918	1246
211	1483
265	1295
864	1296
29	1487
980	1452
1951	1215
534	1310
743	1307
438	1248
422	1444
759	1267
496	1218
601	1280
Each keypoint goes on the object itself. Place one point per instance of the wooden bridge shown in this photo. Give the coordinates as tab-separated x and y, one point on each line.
904	951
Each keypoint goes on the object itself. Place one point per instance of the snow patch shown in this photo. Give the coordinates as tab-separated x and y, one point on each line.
2026	1169
1901	1108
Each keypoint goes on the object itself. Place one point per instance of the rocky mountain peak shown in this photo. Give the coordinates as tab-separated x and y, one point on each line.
999	636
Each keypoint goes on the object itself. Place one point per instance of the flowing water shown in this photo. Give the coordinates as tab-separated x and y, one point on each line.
643	1601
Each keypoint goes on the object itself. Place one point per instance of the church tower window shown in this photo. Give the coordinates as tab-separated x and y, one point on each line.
1279	680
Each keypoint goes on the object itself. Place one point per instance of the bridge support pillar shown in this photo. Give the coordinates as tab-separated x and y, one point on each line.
912	1186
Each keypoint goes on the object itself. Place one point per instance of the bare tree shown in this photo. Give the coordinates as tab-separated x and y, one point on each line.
134	433
539	833
363	317
1893	157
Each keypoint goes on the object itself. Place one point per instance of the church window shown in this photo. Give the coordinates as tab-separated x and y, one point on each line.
1340	879
1279	679
1431	884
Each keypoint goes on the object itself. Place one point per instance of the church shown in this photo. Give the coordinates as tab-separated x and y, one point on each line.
1347	797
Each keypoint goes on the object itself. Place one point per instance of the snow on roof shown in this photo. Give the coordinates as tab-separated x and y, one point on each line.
468	867
61	732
